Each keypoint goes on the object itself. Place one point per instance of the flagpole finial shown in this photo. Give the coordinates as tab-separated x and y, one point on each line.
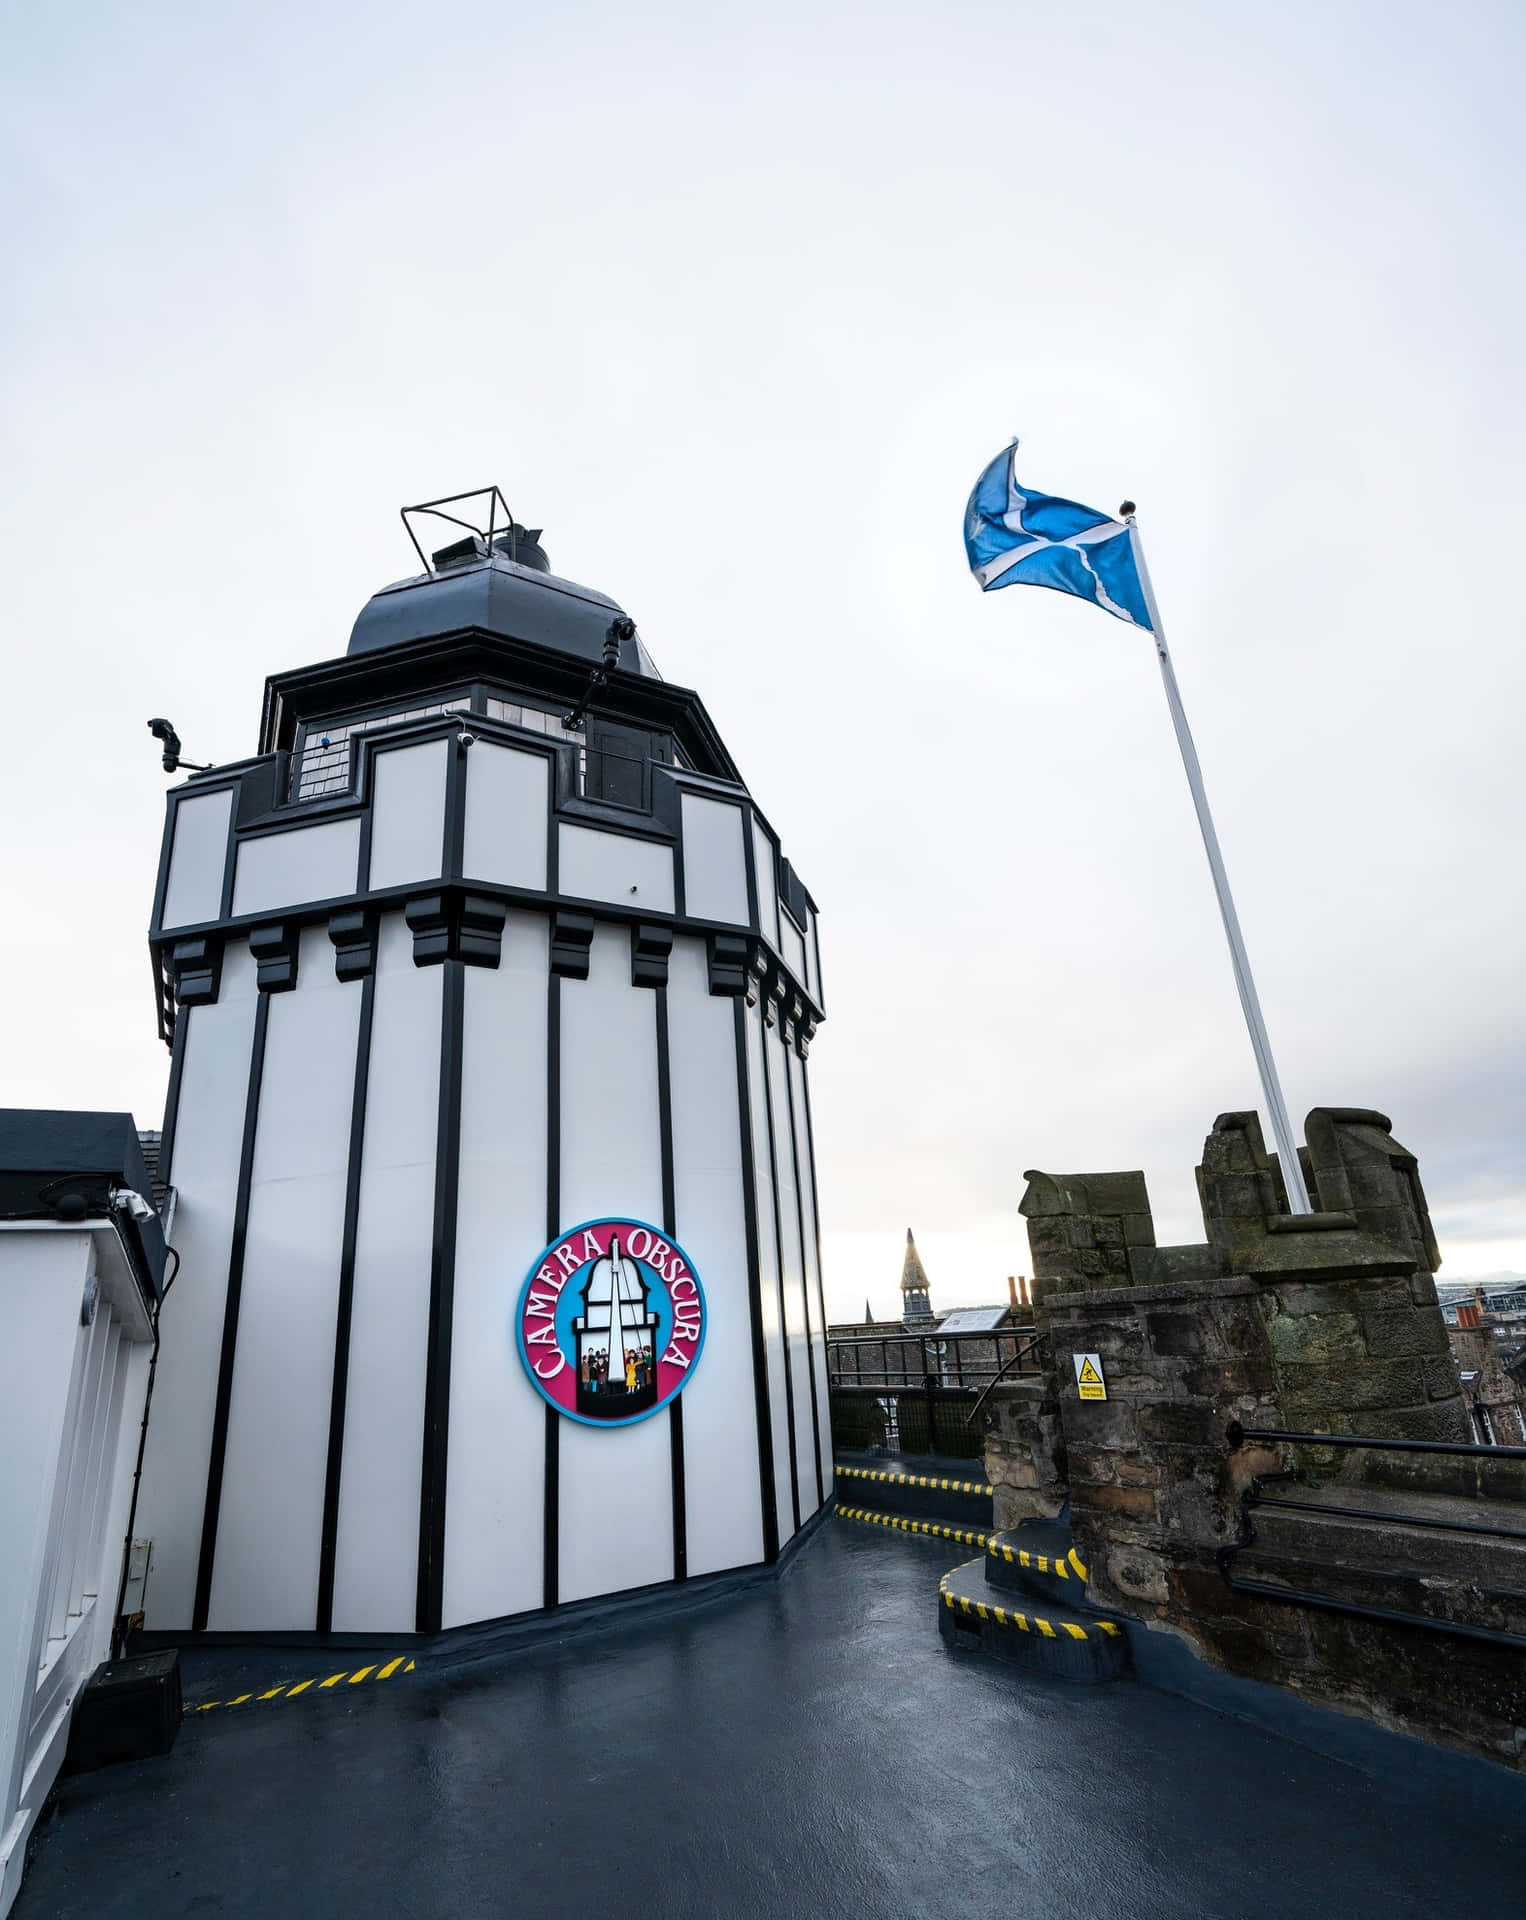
1127	510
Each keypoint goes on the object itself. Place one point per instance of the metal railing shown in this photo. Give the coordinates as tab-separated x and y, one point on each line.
1254	1495
918	1393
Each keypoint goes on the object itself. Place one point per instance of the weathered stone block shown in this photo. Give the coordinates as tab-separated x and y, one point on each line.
1223	1381
1380	1383
1330	1339
1138	1501
1175	1334
1139	1574
1178	1423
1406	1334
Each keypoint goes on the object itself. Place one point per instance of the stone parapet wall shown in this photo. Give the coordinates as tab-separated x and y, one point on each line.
1321	1323
1025	1450
1153	1485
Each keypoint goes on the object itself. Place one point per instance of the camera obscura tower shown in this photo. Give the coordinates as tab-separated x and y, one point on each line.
489	991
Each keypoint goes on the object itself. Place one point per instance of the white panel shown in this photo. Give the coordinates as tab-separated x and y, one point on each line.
265	1577
768	883
715	867
795	1319
813	1282
408	813
42	1278
612	866
507	796
209	1131
616	1513
723	1512
793	948
198	857
376	1550
495	1514
308	863
768	1271
813	956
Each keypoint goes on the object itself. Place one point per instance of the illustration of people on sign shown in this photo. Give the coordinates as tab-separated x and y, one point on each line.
616	1337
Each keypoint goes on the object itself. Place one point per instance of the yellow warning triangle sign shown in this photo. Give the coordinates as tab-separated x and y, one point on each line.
1089	1376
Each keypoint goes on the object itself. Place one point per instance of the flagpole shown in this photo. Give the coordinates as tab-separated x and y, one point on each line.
1271	1086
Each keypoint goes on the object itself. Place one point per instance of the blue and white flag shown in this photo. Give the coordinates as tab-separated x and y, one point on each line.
1017	538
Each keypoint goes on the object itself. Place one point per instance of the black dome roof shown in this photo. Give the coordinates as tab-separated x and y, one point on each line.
497	596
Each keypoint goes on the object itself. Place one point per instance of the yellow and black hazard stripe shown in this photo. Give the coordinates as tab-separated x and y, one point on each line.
1027	1622
963	1535
1063	1566
976	1487
289	1690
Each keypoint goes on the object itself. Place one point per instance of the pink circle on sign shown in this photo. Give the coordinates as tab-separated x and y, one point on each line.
610	1322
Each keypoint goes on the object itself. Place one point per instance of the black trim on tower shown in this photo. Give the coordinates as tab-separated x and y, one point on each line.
805	1278
670	1228
442	1287
551	1522
229	1345
810	1147
453	849
773	1182
328	1538
170	1122
781	1146
763	1413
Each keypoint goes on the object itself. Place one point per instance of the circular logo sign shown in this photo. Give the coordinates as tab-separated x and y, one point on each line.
610	1322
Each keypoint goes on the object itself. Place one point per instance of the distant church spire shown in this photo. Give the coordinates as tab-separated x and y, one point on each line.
916	1306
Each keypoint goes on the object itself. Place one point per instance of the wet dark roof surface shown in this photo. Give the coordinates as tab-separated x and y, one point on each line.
496	596
808	1748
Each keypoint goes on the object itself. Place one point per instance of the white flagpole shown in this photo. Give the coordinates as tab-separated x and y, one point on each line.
1271	1086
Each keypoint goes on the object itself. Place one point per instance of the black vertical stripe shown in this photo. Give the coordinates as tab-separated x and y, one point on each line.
172	1094
805	1278
670	1228
219	1446
551	1535
453	852
810	1147
762	1412
773	1182
442	1288
330	1532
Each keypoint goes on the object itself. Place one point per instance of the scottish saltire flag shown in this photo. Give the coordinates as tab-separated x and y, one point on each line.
1018	538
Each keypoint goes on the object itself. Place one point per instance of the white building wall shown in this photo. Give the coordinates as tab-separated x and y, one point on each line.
266	1571
715	865
71	1396
408	813
277	870
376	1548
721	1486
592	865
495	1513
769	1271
209	1132
198	858
796	1318
616	1507
507	798
815	1297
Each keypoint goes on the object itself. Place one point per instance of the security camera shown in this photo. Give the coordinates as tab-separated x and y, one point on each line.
465	739
164	732
167	737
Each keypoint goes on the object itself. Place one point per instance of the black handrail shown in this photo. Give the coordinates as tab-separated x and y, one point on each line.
1253	1496
1027	1347
1237	1435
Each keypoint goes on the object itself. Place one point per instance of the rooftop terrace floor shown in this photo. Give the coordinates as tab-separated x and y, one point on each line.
806	1748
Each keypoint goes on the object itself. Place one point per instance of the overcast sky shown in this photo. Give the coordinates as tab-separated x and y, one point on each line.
736	302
